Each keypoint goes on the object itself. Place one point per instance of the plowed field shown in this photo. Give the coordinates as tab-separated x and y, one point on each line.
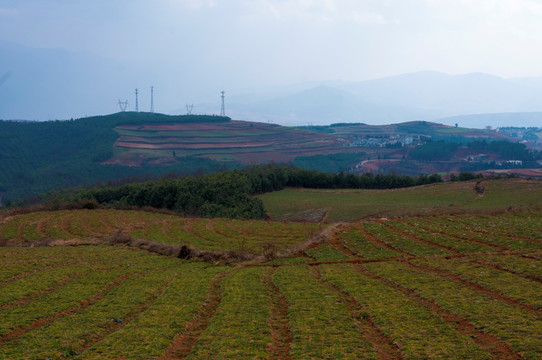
446	287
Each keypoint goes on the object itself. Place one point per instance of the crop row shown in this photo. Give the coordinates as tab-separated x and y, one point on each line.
433	236
100	302
205	234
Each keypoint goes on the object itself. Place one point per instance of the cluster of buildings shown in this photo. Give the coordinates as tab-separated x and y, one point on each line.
388	141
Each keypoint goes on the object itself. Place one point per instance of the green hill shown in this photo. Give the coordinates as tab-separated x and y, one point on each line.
37	157
40	156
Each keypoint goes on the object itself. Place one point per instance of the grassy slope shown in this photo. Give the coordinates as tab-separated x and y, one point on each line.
347	205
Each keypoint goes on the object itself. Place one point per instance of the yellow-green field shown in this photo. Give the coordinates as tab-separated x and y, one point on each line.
84	226
442	198
433	287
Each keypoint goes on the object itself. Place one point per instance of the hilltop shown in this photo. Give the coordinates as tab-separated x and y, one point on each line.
40	156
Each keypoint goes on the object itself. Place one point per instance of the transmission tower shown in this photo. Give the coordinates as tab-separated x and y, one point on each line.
137	104
152	99
222	108
189	108
123	105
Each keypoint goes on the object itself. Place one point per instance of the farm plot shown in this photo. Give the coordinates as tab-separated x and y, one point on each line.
204	234
396	289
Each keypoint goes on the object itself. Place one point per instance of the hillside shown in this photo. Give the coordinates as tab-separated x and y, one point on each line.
234	141
435	199
40	156
109	284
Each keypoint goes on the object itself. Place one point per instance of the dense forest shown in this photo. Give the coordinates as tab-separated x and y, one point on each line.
441	150
228	193
40	156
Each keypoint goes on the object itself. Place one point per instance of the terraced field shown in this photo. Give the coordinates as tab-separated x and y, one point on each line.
438	287
241	141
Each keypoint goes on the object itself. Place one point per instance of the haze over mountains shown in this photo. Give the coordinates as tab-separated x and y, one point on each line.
44	84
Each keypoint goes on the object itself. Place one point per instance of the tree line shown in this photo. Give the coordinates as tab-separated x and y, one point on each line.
231	193
441	150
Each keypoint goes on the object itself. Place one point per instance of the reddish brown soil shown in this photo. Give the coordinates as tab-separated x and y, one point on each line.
486	341
41	228
382	243
492	233
126	319
38	294
385	348
337	244
183	343
499	247
223	145
278	321
33	271
477	287
500	268
17	332
417	239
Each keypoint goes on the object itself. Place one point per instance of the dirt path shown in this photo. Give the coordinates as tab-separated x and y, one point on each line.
486	341
279	322
26	274
477	287
419	240
385	348
17	332
492	233
500	268
128	318
495	246
334	241
41	229
41	293
382	243
183	343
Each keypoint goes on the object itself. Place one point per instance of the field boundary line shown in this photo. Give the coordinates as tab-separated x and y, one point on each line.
477	287
20	229
495	246
417	239
38	294
184	342
64	224
127	319
26	274
381	243
385	348
500	349
278	319
500	268
334	241
492	233
82	304
40	228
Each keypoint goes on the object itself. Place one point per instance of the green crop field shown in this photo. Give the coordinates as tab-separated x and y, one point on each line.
445	286
438	199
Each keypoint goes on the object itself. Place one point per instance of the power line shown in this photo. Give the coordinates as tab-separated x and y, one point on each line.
123	105
222	108
152	99
189	108
136	105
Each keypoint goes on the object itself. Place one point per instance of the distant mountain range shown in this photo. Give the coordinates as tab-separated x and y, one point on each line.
46	84
429	96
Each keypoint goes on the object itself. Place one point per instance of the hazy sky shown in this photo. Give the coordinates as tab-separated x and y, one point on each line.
285	41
